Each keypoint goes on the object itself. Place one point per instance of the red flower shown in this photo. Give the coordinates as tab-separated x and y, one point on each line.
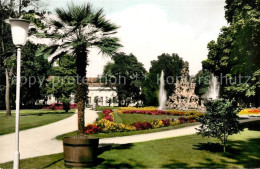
166	122
107	116
142	125
92	129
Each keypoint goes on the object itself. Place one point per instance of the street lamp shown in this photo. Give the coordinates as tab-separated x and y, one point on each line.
19	28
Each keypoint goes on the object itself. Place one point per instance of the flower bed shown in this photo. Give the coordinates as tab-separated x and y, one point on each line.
162	112
108	115
59	106
107	124
249	112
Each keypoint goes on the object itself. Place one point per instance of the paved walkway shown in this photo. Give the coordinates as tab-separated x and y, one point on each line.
41	140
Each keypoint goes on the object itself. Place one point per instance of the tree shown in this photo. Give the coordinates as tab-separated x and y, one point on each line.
171	65
62	84
35	70
150	89
234	57
96	100
14	9
220	121
126	75
75	30
7	50
109	101
202	80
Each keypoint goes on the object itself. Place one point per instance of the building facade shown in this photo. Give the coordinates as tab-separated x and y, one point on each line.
97	93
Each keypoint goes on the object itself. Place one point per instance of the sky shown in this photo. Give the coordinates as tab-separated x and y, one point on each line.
149	28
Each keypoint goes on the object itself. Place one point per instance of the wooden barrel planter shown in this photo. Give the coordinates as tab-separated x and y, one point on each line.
80	151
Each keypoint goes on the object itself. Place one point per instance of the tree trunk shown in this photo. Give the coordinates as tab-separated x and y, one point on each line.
81	91
7	93
224	143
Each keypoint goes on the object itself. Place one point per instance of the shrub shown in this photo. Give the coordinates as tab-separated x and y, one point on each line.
220	121
166	122
173	123
92	129
157	123
142	125
109	126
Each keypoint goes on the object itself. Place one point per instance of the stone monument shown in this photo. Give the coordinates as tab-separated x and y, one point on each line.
183	97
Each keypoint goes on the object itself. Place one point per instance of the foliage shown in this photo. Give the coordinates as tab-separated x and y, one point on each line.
109	101
96	100
202	80
150	89
35	69
12	9
126	75
62	85
234	57
220	121
171	65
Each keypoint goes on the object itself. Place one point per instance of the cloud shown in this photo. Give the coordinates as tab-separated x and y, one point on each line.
147	31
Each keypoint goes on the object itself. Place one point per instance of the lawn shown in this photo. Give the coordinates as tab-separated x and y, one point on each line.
129	119
100	108
31	118
180	152
133	118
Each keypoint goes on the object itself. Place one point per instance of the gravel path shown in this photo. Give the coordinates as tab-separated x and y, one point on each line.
41	140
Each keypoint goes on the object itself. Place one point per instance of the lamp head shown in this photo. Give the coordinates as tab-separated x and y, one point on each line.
19	28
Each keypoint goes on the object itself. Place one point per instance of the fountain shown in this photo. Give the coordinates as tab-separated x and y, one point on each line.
162	93
213	91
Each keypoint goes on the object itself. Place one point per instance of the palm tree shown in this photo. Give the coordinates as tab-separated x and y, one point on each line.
75	30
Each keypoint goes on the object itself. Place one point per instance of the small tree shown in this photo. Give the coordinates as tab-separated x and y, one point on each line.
220	121
109	101
96	100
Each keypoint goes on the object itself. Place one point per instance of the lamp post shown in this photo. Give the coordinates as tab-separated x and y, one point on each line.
19	28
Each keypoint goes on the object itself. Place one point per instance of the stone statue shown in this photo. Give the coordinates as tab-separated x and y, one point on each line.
183	96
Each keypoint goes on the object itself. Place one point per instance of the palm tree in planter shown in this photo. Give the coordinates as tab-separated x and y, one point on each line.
74	31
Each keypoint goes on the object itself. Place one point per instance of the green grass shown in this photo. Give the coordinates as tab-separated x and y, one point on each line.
133	118
100	108
180	152
31	118
129	119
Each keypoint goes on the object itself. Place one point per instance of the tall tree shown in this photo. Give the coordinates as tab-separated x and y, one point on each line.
7	50
35	70
126	75
14	9
74	31
202	80
234	57
171	65
62	84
